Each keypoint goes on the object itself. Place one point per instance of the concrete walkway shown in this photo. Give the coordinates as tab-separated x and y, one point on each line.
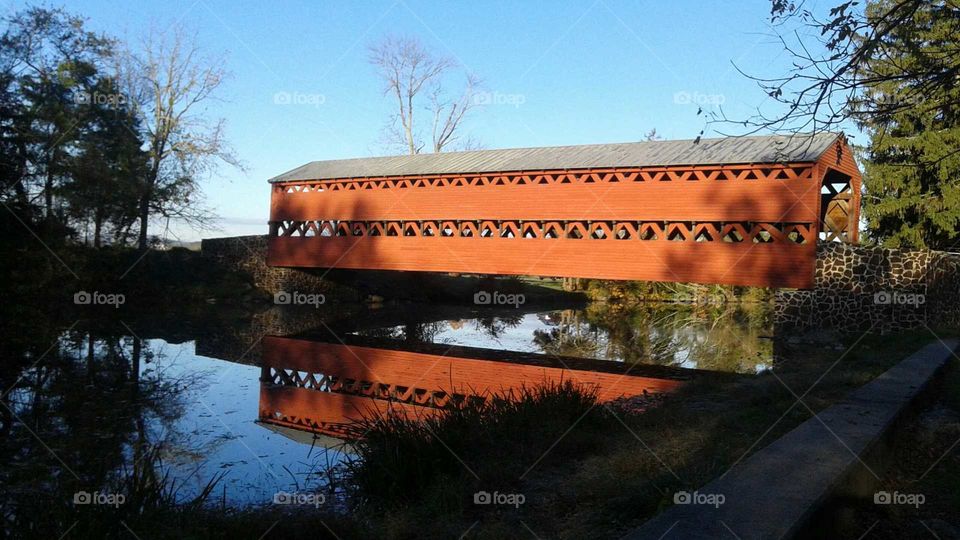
773	492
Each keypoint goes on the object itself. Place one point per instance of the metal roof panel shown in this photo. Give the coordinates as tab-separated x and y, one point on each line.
719	151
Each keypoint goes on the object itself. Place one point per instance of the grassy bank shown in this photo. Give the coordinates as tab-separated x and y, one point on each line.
629	293
413	469
609	471
925	462
550	462
176	276
143	502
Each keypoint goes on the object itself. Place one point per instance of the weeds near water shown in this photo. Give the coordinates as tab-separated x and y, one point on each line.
149	487
145	501
441	460
142	493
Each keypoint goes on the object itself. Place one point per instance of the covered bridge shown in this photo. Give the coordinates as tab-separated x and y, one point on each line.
736	210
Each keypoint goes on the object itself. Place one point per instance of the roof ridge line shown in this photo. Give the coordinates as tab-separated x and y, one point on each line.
745	149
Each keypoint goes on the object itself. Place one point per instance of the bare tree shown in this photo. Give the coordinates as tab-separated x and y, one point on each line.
890	68
414	77
448	114
832	78
169	83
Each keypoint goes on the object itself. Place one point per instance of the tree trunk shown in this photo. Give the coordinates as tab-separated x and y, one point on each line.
48	193
91	370
97	227
135	364
22	196
410	143
144	218
48	183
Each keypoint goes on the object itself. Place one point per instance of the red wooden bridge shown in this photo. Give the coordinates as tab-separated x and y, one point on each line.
739	211
326	387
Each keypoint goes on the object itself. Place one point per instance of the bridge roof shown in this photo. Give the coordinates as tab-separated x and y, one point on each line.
719	151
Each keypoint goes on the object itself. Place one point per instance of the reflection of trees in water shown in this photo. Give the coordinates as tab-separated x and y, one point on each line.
725	338
414	332
392	332
81	418
427	332
495	326
423	332
730	338
611	336
569	336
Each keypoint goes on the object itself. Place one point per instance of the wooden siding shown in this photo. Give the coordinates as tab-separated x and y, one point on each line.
324	386
730	224
442	373
840	158
736	264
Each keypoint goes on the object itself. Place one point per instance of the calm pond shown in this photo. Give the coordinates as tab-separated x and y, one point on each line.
266	402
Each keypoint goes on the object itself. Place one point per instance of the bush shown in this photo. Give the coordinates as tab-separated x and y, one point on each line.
477	444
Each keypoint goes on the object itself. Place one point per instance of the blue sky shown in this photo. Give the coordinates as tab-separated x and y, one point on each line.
565	72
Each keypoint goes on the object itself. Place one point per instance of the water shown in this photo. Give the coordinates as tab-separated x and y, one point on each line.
216	432
673	337
264	403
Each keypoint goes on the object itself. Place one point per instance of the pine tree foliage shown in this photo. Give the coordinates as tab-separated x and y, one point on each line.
912	170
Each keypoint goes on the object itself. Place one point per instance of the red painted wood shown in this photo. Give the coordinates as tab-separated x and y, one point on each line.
757	200
744	194
840	157
449	374
328	406
332	412
774	264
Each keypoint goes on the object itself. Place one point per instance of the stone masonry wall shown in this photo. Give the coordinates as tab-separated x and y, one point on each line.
859	288
856	288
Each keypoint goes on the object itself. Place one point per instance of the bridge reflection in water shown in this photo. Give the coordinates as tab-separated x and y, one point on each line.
324	386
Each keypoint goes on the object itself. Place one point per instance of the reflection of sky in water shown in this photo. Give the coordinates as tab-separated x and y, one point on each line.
218	434
684	344
518	338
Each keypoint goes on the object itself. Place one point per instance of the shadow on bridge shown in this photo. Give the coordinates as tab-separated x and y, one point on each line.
748	251
325	385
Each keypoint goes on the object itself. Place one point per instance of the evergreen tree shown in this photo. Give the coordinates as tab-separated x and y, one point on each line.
892	68
912	170
47	58
108	166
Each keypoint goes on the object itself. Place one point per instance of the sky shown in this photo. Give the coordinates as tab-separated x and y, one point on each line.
554	72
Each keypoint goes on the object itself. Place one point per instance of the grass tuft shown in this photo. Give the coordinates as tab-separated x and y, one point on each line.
476	445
